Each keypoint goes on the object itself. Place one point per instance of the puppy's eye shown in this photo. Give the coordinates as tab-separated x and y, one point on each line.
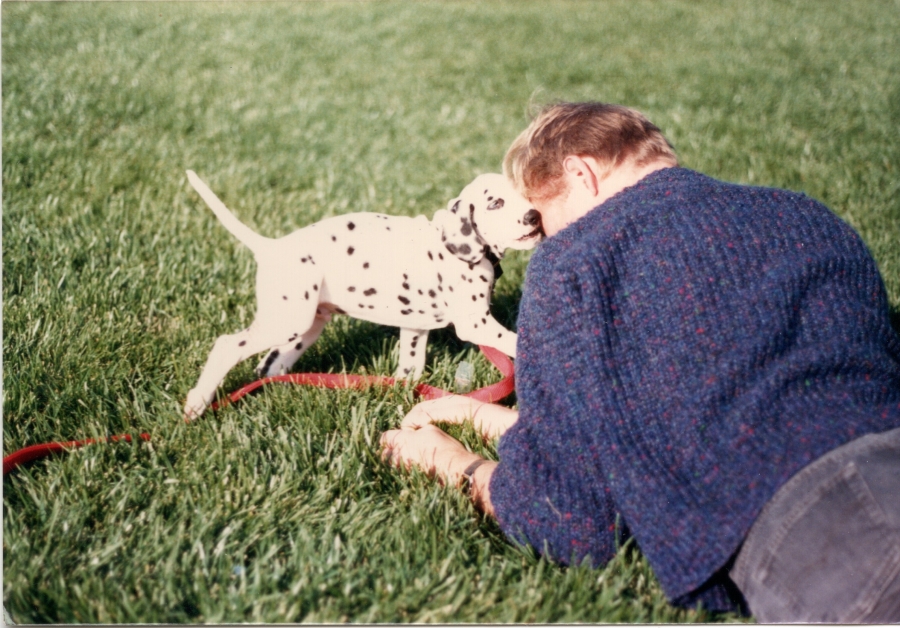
496	204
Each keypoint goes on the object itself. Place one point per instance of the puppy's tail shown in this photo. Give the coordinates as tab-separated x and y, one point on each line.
242	232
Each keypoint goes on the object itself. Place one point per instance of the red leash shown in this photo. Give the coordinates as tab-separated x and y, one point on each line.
488	394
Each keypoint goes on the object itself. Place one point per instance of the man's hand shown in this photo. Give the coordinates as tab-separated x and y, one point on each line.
433	450
439	455
489	419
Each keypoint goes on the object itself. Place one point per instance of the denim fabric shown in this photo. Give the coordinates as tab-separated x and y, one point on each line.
826	547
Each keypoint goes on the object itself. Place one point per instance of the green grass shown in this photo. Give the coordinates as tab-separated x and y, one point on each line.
116	278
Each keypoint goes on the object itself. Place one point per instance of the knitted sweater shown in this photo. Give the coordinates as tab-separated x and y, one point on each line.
683	350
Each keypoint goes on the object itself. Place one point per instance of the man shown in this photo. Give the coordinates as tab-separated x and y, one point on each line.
711	364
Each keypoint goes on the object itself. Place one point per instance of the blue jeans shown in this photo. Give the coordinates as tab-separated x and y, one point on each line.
826	547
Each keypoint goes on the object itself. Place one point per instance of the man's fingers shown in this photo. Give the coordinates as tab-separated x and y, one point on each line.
392	442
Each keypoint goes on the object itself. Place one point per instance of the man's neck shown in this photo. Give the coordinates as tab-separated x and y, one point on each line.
626	176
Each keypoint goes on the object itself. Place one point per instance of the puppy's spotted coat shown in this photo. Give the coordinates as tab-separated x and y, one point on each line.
411	273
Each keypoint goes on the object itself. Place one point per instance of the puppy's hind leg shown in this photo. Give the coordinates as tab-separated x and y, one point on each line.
228	350
281	359
412	353
280	315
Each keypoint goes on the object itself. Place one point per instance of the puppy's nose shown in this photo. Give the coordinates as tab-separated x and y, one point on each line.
532	218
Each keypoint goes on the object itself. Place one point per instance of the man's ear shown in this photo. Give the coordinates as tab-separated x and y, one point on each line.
582	171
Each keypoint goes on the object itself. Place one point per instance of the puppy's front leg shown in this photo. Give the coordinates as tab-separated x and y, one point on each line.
487	331
412	353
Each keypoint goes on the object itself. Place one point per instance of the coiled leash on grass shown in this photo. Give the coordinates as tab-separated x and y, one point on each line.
488	394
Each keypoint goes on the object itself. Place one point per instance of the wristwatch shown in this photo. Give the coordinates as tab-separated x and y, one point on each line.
465	481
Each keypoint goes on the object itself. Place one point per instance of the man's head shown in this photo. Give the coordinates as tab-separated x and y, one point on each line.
599	142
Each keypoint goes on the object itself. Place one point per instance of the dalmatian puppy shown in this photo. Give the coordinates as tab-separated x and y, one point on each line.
411	273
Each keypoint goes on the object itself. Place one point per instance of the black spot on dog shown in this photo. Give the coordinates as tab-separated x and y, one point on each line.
405	312
269	360
242	343
370	292
420	292
405	286
484	321
412	353
414	342
292	338
403	300
441	256
440	288
466	228
455	207
315	286
405	276
451	247
499	335
350	250
421	311
302	260
361	306
471	265
450	288
351	289
471	207
483	278
298	346
430	256
366	265
334	238
306	295
490	198
474	298
440	279
351	226
432	293
284	297
481	295
465	249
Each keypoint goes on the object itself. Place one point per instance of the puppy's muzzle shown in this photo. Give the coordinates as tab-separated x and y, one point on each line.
532	218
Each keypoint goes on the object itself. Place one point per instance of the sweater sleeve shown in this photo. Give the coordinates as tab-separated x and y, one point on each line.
550	489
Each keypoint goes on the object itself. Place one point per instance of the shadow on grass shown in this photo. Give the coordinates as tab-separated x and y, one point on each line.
349	344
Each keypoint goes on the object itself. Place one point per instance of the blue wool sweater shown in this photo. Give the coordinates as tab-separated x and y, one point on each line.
683	350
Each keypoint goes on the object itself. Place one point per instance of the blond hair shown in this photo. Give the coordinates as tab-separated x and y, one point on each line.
611	134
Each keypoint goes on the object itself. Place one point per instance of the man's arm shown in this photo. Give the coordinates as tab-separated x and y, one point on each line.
442	456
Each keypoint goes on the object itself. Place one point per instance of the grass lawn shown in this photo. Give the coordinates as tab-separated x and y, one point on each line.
117	278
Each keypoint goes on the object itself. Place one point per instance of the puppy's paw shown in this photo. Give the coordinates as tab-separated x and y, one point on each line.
195	405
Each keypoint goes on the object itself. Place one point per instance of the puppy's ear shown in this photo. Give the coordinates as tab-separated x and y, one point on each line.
457	232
